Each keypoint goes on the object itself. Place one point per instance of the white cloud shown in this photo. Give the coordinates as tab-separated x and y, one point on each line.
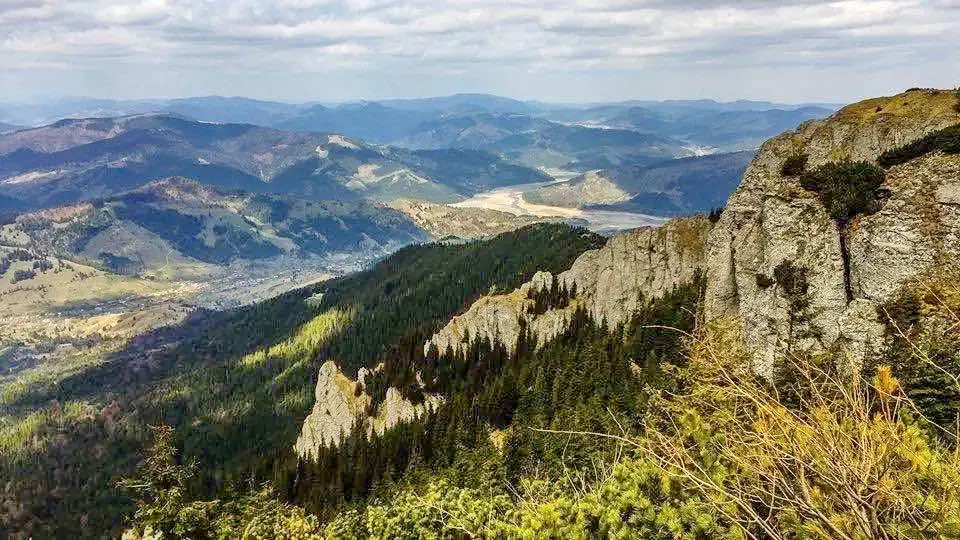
427	47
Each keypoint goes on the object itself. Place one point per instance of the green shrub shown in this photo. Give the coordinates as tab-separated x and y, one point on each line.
764	281
794	165
846	189
946	140
714	215
791	277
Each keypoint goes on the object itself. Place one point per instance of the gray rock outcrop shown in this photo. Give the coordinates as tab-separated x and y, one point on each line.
336	410
771	219
341	403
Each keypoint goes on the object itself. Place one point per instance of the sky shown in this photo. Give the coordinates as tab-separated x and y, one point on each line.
551	50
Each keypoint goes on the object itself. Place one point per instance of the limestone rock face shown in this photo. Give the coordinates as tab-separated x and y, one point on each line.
611	282
341	403
396	409
335	411
771	218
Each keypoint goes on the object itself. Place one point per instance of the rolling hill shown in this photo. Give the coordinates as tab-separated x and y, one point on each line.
75	160
179	223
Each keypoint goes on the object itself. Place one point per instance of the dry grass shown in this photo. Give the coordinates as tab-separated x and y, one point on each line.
844	462
921	103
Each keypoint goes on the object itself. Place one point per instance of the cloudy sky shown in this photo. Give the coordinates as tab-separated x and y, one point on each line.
559	50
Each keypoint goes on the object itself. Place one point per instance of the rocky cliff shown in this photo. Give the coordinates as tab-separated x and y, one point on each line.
770	219
611	283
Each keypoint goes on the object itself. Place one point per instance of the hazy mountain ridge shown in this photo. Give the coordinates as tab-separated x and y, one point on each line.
538	142
80	159
732	125
727	130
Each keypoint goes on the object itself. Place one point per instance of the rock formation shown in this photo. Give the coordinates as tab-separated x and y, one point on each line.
341	403
771	227
771	219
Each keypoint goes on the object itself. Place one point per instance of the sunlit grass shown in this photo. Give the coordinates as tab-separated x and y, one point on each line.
304	342
14	388
23	435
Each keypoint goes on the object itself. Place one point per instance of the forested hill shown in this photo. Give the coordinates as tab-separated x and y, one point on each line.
234	385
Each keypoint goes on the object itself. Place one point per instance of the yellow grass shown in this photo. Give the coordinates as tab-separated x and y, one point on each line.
918	103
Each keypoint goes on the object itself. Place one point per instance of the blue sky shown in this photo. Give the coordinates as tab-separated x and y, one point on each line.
557	50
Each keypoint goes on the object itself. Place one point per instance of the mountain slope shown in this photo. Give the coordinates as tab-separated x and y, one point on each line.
179	222
261	359
81	159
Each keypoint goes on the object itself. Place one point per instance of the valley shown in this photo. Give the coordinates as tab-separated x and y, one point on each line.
511	199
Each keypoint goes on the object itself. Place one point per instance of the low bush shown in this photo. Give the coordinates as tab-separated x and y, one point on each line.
946	140
23	275
714	215
846	189
794	165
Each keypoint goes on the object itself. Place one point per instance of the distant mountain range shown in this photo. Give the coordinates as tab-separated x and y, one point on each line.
73	160
438	149
175	223
536	142
733	125
272	113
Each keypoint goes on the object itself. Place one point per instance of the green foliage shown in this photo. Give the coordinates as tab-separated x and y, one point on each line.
714	215
556	296
764	281
794	165
946	140
792	280
846	189
160	487
924	348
